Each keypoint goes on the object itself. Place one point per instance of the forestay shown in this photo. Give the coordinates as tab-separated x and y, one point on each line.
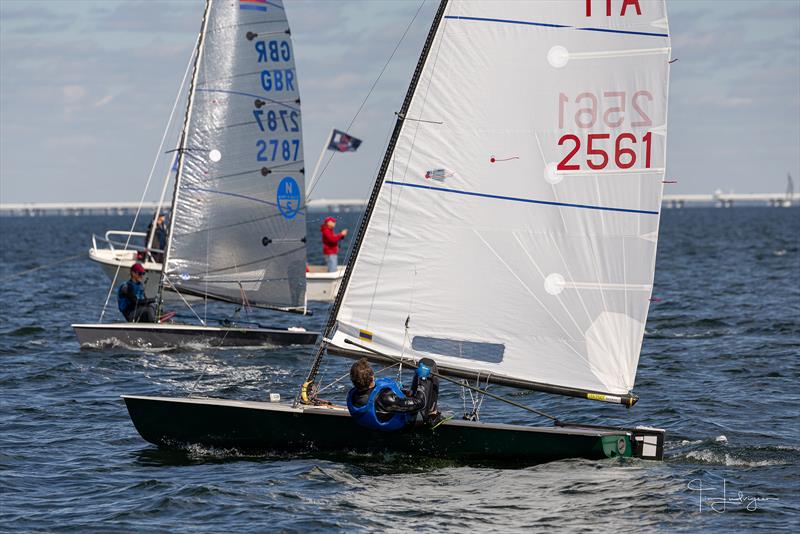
238	228
515	230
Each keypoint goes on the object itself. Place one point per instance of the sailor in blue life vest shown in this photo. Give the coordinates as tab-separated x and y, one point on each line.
382	405
131	300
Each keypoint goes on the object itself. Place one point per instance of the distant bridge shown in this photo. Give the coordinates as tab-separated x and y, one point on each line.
128	208
338	205
727	200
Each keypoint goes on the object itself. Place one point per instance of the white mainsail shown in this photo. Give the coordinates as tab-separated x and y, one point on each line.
514	233
238	223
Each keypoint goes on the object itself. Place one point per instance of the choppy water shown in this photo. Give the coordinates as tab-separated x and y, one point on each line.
719	371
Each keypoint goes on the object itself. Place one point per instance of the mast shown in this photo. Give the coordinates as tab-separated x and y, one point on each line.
181	149
374	195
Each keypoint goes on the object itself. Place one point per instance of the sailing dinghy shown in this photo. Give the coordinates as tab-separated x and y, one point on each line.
237	226
528	262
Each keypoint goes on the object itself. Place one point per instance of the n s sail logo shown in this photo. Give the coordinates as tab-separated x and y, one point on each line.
288	198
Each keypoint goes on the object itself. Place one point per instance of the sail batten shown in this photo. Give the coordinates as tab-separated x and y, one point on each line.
515	230
238	223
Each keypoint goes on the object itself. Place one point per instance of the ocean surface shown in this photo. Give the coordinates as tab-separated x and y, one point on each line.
720	370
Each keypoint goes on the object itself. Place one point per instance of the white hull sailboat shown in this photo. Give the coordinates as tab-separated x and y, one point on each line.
321	286
510	236
237	222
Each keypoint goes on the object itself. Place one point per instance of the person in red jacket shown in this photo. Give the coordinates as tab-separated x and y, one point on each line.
330	243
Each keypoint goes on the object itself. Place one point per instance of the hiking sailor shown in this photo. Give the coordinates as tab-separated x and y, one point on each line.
131	300
382	405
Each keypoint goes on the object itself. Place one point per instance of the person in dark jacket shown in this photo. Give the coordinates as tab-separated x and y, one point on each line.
159	239
132	301
382	405
330	243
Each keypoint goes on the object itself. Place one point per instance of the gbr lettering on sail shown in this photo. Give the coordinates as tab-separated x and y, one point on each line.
625	142
279	124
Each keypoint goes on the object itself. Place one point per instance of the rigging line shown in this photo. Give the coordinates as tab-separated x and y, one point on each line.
371	89
374	172
394	206
182	144
531	293
175	289
239	93
259	260
457	382
347	374
226	193
443	27
150	176
26	271
207	266
259	170
371	202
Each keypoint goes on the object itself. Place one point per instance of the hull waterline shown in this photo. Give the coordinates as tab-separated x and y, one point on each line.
147	335
280	429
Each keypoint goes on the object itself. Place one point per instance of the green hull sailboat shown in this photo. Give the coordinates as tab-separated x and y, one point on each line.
271	428
510	236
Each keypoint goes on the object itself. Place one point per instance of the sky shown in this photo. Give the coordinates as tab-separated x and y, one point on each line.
86	89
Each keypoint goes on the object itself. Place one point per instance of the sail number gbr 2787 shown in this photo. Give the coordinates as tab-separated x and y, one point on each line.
277	149
616	150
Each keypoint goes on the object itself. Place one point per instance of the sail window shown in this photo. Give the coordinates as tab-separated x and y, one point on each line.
459	348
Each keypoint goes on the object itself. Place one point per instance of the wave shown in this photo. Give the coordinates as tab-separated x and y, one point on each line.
25	331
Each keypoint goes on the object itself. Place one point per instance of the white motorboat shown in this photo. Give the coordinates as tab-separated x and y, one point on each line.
115	260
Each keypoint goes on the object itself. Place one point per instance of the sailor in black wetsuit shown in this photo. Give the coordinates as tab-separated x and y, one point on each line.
382	405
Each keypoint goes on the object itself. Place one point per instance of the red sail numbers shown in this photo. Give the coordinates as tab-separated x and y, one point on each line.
623	7
611	110
624	156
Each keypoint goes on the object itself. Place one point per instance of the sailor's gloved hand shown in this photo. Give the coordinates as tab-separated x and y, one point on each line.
148	302
423	371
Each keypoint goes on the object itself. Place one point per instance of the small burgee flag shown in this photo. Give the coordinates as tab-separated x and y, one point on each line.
342	142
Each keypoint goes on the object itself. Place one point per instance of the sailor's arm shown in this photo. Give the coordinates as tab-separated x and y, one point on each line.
391	403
